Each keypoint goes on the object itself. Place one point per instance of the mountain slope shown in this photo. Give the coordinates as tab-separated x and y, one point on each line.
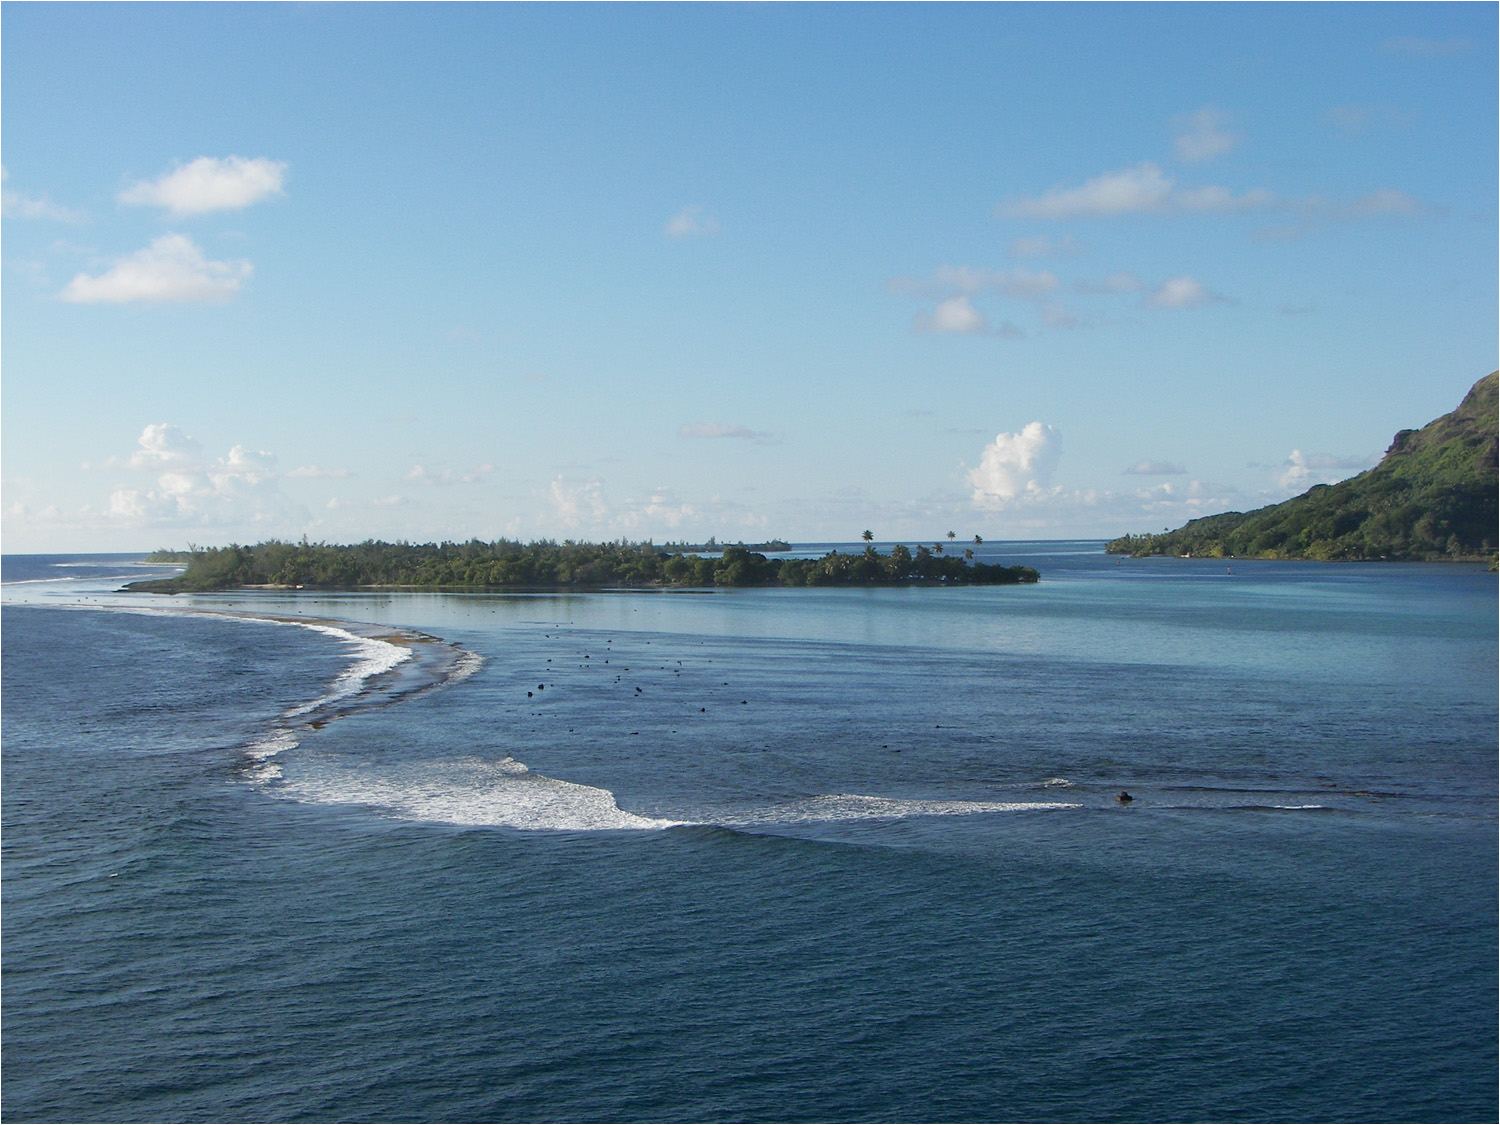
1432	496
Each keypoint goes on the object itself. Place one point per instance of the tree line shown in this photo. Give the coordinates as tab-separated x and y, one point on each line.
546	563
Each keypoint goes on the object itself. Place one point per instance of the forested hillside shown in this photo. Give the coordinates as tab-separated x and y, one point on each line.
1433	496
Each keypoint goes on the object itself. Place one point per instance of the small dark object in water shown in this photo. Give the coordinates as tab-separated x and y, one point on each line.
1124	798
541	687
529	694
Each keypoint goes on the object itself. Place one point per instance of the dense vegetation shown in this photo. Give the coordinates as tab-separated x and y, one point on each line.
508	564
1433	496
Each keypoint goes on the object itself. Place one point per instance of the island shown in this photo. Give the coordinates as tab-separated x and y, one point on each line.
1432	497
507	564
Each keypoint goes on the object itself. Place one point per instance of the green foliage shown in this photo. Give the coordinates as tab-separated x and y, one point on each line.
1433	496
509	564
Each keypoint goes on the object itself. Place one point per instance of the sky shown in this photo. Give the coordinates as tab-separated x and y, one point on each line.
663	272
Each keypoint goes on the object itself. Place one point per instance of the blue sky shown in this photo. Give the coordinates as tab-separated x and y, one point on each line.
671	271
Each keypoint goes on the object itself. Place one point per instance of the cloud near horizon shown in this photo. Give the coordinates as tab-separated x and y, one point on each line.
1016	467
1303	470
172	269
210	184
193	491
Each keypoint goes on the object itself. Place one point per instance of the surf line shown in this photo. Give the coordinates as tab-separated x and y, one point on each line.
389	664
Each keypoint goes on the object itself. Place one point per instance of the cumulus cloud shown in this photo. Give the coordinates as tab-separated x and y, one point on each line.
576	502
1303	470
660	509
1155	469
955	287
1143	189
1201	136
957	316
1182	293
713	430
210	184
692	222
18	205
173	268
1016	467
191	490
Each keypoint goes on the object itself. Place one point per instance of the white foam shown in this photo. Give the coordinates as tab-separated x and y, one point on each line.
465	666
1057	783
372	657
472	792
271	744
856	806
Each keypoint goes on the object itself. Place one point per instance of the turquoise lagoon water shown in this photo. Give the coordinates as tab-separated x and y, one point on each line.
791	855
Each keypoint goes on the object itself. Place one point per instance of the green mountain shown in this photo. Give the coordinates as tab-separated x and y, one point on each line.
1433	496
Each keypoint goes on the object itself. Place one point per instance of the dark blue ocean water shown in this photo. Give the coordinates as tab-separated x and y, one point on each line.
756	855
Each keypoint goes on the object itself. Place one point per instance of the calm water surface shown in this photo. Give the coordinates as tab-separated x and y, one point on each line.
793	855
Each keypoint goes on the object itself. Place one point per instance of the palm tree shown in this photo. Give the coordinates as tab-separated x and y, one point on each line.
868	536
951	537
978	539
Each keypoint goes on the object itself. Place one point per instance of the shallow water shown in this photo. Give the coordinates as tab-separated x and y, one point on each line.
790	855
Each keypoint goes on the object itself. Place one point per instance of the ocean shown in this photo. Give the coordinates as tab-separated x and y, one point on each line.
755	855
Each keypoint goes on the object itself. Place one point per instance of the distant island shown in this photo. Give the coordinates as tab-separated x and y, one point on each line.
1433	496
506	564
714	545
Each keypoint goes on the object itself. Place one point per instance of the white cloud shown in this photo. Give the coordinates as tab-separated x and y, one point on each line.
312	472
957	316
172	268
162	446
712	430
574	503
1182	293
1016	467
1301	470
1143	189
18	205
1155	469
692	222
191	490
661	509
423	475
210	184
1201	136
